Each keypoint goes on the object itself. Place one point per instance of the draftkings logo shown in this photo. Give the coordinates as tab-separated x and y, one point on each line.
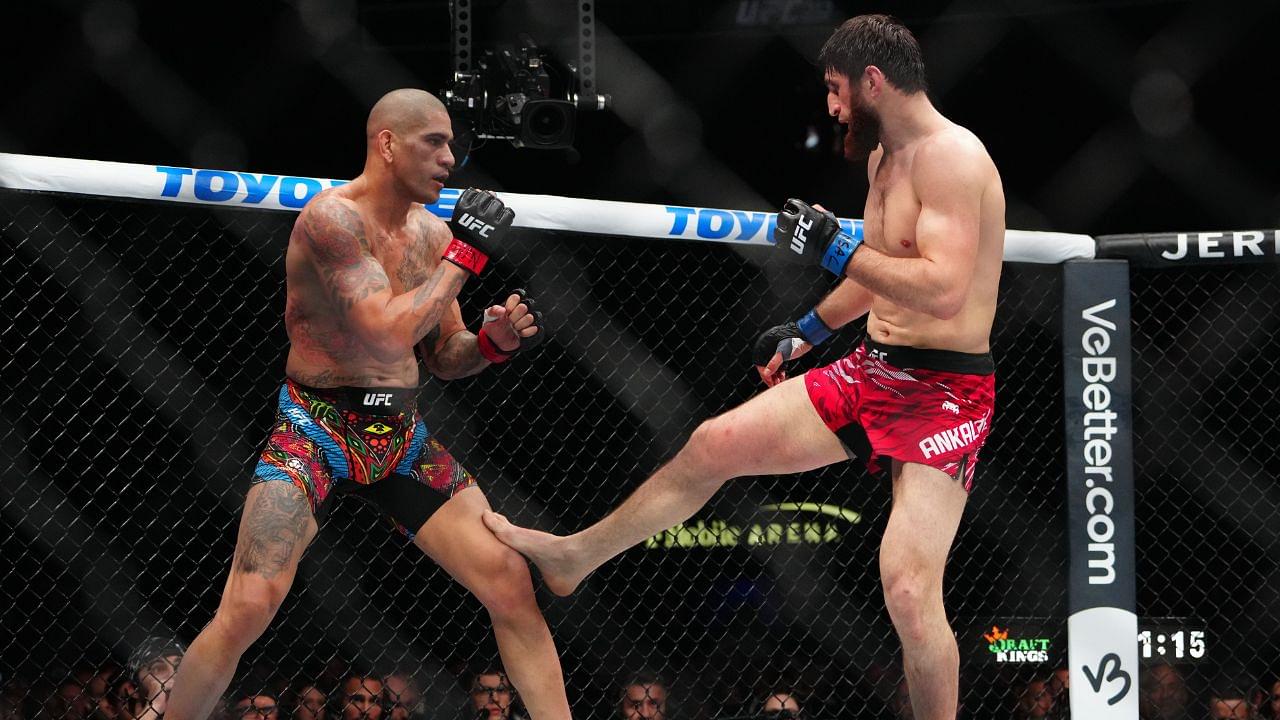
1016	650
801	523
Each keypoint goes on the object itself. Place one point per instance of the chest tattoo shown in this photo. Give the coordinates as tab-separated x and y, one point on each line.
415	264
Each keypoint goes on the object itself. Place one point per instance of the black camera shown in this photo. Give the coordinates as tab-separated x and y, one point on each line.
513	95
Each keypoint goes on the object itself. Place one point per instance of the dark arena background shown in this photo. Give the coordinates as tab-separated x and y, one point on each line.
141	346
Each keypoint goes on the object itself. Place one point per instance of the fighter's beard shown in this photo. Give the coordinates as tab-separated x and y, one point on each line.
861	137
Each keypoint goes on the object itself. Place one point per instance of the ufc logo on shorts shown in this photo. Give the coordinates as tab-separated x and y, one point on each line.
472	222
799	237
377	399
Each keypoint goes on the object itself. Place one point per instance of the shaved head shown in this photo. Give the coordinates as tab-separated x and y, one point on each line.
400	111
407	146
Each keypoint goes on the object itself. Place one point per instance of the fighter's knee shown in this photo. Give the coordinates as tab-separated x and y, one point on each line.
903	590
711	446
246	611
507	588
909	595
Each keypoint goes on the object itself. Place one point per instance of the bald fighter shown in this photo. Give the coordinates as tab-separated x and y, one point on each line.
919	391
371	276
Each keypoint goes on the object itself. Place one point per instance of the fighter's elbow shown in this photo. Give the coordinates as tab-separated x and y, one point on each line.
443	373
947	306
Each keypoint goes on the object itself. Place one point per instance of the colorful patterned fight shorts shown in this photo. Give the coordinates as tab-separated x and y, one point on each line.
932	407
367	442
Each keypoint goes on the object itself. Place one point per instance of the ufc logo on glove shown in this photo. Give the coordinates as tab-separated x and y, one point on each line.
472	222
832	246
799	237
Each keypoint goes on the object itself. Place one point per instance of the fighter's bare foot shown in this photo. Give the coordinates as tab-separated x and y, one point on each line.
549	552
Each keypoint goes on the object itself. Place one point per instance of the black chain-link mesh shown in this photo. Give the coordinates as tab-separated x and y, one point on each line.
142	350
1206	362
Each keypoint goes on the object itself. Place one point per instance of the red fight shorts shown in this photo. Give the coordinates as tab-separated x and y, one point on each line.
932	407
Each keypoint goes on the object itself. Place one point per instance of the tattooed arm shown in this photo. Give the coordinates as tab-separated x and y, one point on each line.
357	287
451	352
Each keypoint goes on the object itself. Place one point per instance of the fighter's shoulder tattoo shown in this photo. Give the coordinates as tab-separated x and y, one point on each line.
335	234
334	230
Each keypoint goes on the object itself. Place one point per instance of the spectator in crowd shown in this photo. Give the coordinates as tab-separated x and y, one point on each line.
644	697
402	697
1268	699
1059	683
97	681
308	702
8	709
93	683
361	697
1163	694
255	706
1269	703
1060	689
332	674
1230	703
99	685
68	701
122	696
491	696
153	664
781	705
84	675
1034	701
105	678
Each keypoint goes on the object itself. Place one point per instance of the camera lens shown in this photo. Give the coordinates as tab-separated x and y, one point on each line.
546	124
546	121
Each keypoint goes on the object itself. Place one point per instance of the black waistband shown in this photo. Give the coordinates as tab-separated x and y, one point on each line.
907	357
370	401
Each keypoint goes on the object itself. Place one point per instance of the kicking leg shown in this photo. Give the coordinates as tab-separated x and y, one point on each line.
778	431
275	527
456	538
927	506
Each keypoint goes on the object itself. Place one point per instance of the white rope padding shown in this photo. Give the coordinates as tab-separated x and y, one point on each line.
543	212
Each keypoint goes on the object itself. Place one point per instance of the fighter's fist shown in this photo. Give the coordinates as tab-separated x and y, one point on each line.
807	234
787	341
775	346
510	328
479	219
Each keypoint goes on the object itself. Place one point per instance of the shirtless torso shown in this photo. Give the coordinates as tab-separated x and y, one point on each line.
337	228
894	214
